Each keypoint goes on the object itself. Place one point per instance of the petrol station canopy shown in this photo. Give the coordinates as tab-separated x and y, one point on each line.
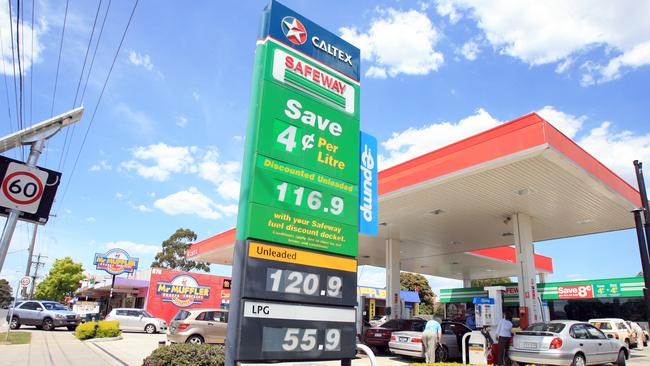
447	206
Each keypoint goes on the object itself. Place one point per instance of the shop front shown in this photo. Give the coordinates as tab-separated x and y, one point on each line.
574	300
373	302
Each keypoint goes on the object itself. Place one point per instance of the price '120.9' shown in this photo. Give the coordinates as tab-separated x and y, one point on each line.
311	197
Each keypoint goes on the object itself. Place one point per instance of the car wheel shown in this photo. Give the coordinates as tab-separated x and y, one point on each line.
15	323
150	329
620	361
442	354
578	360
48	324
195	339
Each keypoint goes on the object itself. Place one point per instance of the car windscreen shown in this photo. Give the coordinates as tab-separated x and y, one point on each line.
546	327
181	315
602	325
54	306
147	314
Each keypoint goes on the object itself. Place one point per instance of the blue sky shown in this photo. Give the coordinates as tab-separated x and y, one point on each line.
165	144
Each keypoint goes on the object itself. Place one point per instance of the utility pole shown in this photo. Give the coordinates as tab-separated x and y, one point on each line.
28	269
38	264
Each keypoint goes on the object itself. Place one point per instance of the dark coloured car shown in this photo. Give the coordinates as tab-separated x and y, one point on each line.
378	337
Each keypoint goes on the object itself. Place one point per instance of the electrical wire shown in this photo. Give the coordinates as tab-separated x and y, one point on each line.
92	60
65	152
4	73
20	67
31	73
101	94
58	63
13	64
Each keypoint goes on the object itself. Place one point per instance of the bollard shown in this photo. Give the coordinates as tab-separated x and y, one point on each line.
371	356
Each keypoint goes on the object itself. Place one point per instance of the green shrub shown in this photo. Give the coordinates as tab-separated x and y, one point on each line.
108	329
85	330
102	329
186	354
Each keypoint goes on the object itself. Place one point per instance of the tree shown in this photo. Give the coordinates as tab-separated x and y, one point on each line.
172	255
6	293
64	277
418	283
491	282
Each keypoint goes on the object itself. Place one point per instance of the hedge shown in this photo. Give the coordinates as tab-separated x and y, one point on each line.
101	329
186	354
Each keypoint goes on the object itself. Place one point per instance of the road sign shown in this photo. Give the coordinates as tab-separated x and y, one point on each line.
25	281
22	187
30	190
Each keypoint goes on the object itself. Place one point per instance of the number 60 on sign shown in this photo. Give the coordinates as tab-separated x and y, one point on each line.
22	187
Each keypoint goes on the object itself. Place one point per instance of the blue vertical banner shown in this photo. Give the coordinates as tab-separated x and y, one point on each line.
368	185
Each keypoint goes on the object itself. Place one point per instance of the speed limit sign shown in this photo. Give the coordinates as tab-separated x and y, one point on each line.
25	281
22	187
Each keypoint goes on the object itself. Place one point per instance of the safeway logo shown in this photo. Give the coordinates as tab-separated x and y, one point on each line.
294	30
575	292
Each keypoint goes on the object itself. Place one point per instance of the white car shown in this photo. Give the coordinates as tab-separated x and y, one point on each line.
409	343
137	320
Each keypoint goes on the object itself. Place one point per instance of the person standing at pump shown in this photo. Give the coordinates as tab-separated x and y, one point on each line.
430	338
503	333
636	328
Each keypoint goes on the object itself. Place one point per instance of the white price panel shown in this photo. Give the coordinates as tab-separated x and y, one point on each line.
22	187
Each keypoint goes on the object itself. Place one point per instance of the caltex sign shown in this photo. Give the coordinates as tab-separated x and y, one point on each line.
116	261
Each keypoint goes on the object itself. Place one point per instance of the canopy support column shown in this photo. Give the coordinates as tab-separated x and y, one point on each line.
529	298
392	276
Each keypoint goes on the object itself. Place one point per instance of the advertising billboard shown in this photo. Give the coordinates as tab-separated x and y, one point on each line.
116	261
171	291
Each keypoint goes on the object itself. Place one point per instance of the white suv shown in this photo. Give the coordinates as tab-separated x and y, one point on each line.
137	320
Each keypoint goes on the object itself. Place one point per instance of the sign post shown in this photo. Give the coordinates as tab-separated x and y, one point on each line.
294	277
116	261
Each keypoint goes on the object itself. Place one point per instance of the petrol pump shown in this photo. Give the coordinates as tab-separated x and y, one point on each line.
478	345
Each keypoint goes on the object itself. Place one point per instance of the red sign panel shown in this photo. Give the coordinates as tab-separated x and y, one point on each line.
171	291
575	292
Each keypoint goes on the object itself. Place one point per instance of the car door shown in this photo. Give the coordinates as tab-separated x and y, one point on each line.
584	341
625	332
30	313
135	318
604	349
120	316
218	326
204	323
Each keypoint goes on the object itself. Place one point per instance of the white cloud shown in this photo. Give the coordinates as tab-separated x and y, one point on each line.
140	120
238	138
181	121
134	248
397	42
413	142
141	208
470	50
119	195
228	210
542	32
101	165
189	202
446	8
222	175
91	220
617	149
229	189
166	160
140	60
26	34
567	123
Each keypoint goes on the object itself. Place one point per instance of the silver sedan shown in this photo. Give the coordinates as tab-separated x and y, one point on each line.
566	342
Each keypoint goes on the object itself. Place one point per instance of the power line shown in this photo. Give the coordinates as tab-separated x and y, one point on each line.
92	60
92	119
31	73
58	64
20	67
65	152
4	73
13	64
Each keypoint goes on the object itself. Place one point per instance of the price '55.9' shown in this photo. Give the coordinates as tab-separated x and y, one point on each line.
299	339
302	283
313	198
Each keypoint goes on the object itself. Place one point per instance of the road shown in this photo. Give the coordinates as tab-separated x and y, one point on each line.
60	347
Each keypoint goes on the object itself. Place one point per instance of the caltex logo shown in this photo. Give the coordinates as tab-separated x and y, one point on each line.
294	30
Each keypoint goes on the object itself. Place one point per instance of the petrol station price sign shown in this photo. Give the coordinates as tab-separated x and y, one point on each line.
283	273
286	331
294	270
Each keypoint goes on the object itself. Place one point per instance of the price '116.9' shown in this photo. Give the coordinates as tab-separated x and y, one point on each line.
312	198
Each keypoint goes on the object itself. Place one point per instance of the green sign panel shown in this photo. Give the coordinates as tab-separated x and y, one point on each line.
607	290
300	181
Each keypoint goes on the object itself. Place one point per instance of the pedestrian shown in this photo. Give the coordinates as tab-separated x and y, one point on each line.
470	322
430	338
503	333
636	328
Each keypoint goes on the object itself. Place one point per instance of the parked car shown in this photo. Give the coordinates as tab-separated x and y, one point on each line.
45	315
409	343
137	320
199	326
646	335
566	342
616	327
378	337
